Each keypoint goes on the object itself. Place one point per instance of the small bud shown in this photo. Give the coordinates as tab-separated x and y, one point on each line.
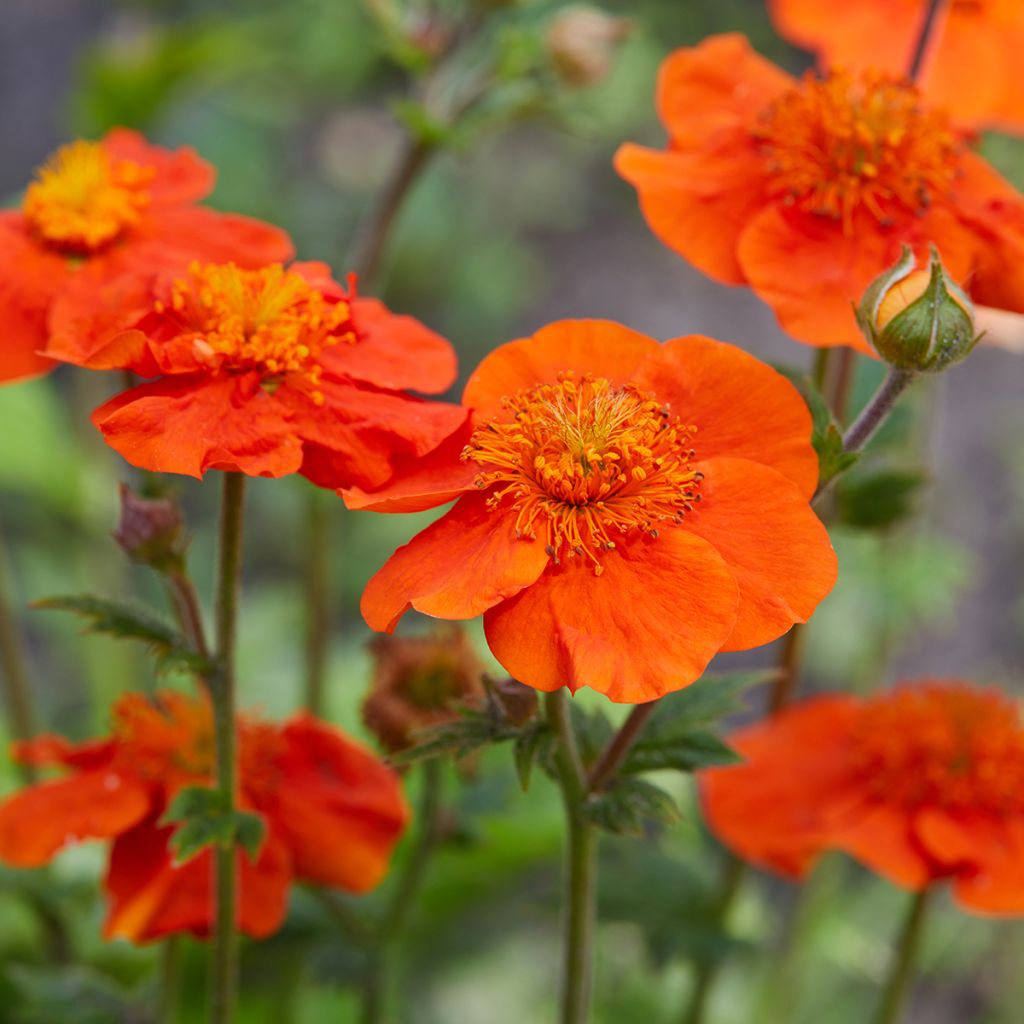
582	42
518	702
918	319
419	682
149	531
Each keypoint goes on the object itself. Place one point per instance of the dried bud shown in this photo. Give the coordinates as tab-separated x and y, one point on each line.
518	702
582	42
918	319
149	531
420	681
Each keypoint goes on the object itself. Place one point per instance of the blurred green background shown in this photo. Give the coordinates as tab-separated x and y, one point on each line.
300	106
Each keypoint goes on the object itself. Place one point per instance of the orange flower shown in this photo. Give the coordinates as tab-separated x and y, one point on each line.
332	812
98	209
807	190
971	68
626	510
921	784
264	372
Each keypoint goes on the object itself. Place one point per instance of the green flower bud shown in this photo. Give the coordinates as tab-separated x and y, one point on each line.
918	319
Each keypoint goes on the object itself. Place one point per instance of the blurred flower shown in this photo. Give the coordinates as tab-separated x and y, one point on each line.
921	784
419	682
332	811
972	66
625	510
98	209
807	190
582	42
264	372
918	319
150	530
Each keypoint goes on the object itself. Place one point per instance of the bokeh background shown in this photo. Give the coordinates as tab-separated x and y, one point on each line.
521	224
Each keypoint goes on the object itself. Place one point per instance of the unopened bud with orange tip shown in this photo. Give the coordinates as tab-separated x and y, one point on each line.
918	318
420	682
582	42
150	531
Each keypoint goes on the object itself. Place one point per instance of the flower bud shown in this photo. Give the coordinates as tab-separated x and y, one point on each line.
150	531
918	319
518	702
582	42
419	682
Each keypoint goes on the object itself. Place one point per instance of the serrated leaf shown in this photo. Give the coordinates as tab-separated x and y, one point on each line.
630	806
879	498
472	730
594	732
132	622
687	752
712	697
205	820
527	748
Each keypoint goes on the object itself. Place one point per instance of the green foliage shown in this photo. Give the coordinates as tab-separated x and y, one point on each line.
630	807
206	820
133	622
71	995
878	498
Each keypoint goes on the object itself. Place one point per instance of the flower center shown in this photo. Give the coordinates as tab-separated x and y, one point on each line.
82	198
270	320
945	745
582	462
838	144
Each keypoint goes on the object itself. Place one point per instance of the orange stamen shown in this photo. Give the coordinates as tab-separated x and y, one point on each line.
943	744
83	199
840	144
270	320
582	461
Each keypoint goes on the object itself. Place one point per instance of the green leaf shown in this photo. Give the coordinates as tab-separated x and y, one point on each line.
205	820
421	124
530	745
686	752
630	807
712	697
879	498
594	731
133	622
470	731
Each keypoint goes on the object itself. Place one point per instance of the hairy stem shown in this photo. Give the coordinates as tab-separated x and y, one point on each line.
902	971
580	867
222	692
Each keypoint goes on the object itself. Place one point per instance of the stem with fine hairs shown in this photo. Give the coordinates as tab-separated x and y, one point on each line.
901	973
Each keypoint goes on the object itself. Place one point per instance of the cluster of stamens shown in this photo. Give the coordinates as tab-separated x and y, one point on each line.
942	745
83	199
270	320
583	462
839	144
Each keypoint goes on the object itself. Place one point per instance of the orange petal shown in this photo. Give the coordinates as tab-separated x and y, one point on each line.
340	810
358	434
773	543
50	749
599	347
698	203
648	625
707	89
422	482
191	424
768	809
395	352
151	898
994	848
742	408
182	176
39	821
463	564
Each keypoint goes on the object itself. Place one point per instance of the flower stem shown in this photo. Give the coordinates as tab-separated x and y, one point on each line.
170	979
318	598
222	692
924	38
898	983
606	766
874	414
13	661
580	866
785	685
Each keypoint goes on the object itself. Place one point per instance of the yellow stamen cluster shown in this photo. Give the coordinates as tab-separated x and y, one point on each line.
839	144
83	199
582	462
270	320
944	745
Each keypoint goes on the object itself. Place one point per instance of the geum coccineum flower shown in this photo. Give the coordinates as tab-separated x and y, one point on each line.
97	210
265	372
625	511
971	67
922	784
808	189
332	811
